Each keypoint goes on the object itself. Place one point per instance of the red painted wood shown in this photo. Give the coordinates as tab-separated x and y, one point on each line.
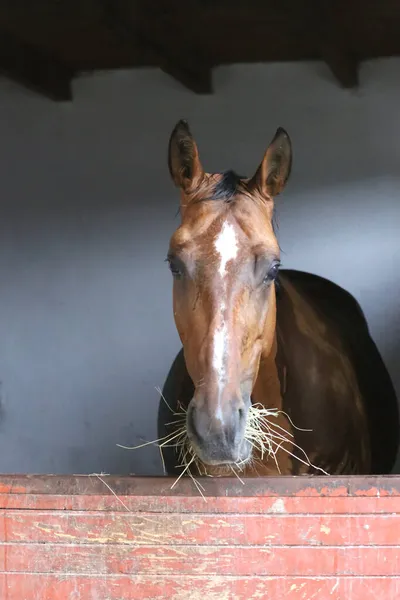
71	538
161	529
51	587
218	487
189	504
197	560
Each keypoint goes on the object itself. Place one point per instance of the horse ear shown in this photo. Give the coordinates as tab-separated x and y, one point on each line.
274	170
183	158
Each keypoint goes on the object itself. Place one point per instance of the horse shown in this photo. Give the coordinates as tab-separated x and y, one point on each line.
253	333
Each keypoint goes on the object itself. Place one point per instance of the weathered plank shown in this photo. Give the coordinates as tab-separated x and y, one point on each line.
228	529
190	504
89	485
52	587
109	559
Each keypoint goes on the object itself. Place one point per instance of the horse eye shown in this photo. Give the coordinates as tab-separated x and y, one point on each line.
272	273
176	272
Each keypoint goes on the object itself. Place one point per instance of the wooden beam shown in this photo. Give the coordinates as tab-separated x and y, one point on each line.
34	69
332	24
342	64
173	57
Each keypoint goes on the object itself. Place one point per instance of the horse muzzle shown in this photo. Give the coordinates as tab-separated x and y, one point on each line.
218	436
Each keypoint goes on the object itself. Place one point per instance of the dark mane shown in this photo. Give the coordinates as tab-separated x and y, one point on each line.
231	184
228	186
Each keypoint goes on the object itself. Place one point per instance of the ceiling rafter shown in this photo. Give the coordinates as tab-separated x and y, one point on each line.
332	25
145	25
34	68
186	40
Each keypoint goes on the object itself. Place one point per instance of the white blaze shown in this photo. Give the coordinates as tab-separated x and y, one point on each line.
227	248
220	347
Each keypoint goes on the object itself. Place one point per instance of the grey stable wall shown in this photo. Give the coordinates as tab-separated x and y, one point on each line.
86	211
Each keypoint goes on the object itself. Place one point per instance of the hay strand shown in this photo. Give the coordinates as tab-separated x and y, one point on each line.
266	437
111	490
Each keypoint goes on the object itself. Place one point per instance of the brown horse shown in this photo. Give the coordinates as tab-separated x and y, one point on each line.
285	339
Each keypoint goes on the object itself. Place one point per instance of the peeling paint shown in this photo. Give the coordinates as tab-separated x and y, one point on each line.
335	587
278	506
325	529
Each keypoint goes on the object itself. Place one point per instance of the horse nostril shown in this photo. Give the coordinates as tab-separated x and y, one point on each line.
225	427
198	423
190	418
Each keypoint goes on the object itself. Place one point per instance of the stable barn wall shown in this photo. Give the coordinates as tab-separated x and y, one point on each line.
86	211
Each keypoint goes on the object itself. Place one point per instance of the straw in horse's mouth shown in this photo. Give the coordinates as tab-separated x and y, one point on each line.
265	436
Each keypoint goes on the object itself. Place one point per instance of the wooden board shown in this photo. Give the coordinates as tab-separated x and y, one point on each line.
71	538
